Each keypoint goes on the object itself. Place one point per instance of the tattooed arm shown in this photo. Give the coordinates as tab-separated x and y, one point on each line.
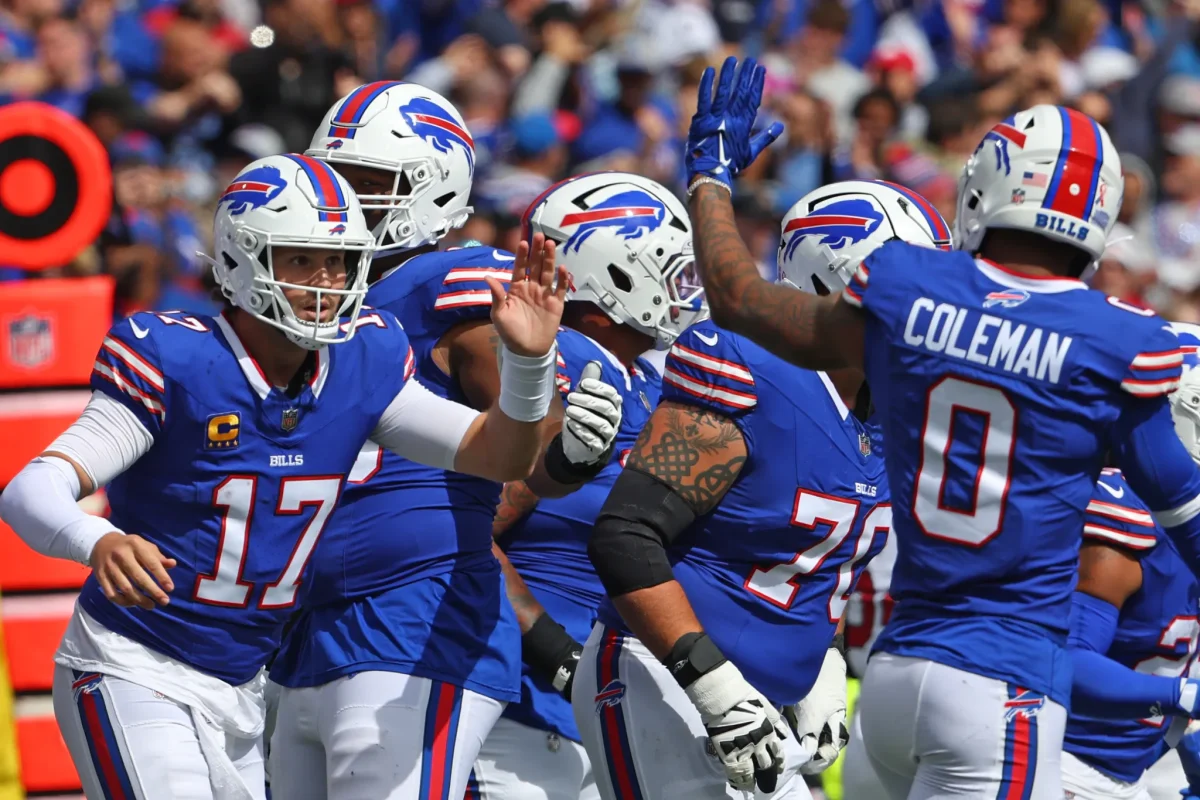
516	501
699	454
812	331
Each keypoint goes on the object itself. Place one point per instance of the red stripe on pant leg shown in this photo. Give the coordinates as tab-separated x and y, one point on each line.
1020	758
612	733
100	747
1078	167
441	742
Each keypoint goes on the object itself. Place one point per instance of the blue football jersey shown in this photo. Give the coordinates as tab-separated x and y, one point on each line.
770	570
1157	630
408	583
998	395
241	481
549	546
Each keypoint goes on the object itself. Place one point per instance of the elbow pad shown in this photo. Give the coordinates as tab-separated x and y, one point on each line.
641	516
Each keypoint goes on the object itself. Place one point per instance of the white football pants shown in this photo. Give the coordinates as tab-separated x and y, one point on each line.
645	738
859	781
133	743
518	762
1165	778
1082	781
933	732
378	736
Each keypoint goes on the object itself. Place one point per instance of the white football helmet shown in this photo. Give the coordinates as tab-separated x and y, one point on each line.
1185	410
1047	170
627	242
417	135
827	234
293	201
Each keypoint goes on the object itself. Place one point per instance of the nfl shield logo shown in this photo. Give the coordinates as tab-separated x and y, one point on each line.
864	444
30	341
291	417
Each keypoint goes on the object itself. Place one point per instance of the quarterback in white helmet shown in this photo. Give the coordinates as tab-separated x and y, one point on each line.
224	443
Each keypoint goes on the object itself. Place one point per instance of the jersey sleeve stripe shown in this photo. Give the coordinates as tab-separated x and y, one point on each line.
562	381
1163	360
410	364
459	299
1150	388
1178	515
135	363
460	274
1133	541
116	379
863	273
736	400
850	297
711	364
560	361
1131	515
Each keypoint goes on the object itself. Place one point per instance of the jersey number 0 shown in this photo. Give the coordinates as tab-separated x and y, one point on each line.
951	402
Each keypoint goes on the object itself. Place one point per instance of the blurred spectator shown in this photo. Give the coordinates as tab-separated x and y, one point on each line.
1126	270
290	78
64	51
820	67
1176	223
538	158
802	159
876	115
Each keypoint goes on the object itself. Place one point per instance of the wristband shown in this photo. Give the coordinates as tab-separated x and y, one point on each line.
551	652
564	471
839	643
692	656
526	384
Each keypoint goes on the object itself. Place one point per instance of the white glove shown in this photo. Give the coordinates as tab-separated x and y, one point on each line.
745	729
591	418
819	720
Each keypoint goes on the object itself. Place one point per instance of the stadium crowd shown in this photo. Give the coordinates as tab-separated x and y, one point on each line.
183	93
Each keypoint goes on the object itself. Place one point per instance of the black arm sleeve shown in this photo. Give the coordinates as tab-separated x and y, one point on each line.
641	516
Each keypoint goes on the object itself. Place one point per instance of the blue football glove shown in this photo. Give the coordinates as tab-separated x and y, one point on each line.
720	144
1189	756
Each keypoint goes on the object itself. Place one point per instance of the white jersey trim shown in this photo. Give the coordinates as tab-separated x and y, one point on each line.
1173	517
833	395
1035	285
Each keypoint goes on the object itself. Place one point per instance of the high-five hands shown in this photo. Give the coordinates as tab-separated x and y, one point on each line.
720	144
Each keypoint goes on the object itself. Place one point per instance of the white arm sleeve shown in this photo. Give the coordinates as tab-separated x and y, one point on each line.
105	440
423	427
40	502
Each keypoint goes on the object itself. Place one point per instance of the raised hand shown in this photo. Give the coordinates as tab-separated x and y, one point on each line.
720	144
527	315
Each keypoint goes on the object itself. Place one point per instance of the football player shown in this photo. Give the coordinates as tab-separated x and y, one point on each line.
225	443
627	244
1022	380
407	648
731	541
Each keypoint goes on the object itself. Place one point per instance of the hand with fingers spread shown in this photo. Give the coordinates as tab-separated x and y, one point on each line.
720	144
527	315
132	571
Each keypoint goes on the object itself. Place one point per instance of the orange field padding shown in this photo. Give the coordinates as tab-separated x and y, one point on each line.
23	570
45	764
29	421
33	627
50	330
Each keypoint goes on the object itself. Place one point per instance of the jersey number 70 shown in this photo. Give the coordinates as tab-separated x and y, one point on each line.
985	440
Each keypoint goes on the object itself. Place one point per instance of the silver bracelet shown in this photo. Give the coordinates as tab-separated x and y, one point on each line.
701	179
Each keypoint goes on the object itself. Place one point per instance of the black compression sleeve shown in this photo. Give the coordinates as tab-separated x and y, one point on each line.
641	516
550	651
563	471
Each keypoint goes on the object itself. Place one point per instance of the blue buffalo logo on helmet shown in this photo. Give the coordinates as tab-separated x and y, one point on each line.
839	224
630	214
1188	335
435	125
1005	298
253	189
